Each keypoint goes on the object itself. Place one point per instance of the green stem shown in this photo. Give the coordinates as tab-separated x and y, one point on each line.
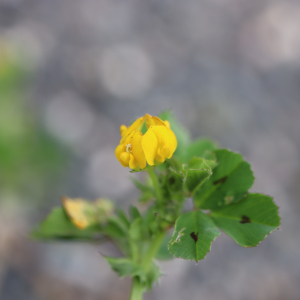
155	185
152	250
137	289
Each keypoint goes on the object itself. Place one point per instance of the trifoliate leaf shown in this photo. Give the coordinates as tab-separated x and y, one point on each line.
230	181
198	170
193	234
249	221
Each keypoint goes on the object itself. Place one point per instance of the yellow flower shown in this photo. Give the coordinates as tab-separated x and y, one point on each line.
154	147
83	213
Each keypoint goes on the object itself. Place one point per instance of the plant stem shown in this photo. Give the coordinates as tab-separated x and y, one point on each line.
137	289
155	185
152	250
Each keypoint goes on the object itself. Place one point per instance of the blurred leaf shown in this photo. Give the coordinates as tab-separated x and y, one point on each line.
229	182
147	191
123	266
182	135
134	213
84	213
136	230
163	252
193	234
249	221
200	148
58	226
126	267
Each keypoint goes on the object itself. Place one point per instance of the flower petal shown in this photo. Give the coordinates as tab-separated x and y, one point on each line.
150	146
133	163
120	148
166	139
137	125
159	157
153	121
124	157
123	129
137	150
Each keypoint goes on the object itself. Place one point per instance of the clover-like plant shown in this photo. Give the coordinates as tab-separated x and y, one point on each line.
216	179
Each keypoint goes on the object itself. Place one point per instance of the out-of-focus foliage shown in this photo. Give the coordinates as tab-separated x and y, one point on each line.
30	158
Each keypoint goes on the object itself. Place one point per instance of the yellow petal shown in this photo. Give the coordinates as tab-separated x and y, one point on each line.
123	129
166	139
159	157
76	210
167	123
137	150
124	157
133	163
153	121
120	149
166	152
150	146
137	125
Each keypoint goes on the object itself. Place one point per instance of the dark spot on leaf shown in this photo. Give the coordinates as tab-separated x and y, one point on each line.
155	214
172	180
221	180
194	236
245	220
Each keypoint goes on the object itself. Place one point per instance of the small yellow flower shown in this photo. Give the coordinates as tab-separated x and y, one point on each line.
154	147
83	213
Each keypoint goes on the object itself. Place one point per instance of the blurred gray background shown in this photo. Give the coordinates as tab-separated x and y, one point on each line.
73	71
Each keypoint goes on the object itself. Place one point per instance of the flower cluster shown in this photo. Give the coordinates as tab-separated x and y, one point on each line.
154	147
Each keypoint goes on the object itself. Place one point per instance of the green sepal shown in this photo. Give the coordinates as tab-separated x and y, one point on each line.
57	225
249	221
229	183
193	234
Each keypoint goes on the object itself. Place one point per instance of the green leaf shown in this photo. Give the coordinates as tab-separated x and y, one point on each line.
198	171
123	220
126	267
163	252
193	235
152	275
136	230
58	226
229	182
182	135
249	221
200	148
174	181
123	266
134	213
147	191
